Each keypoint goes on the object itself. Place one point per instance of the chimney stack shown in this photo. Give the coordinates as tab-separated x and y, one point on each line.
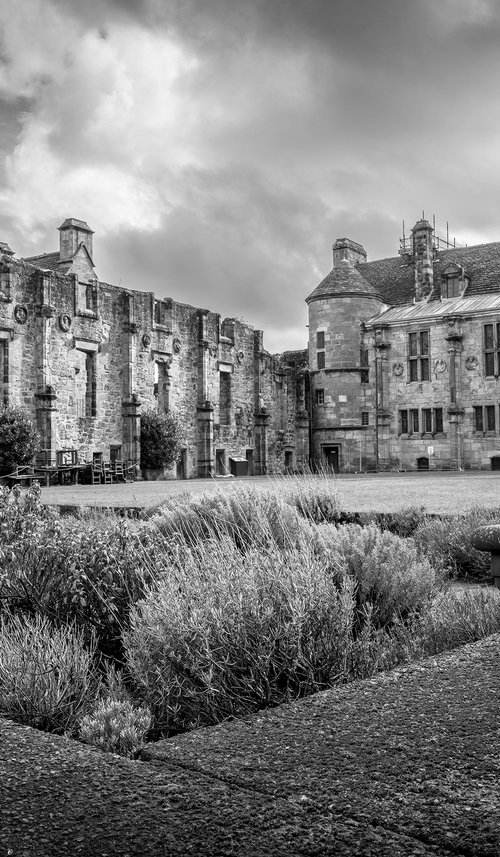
73	233
345	250
423	258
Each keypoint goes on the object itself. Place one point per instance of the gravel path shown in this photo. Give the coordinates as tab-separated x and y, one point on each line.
406	763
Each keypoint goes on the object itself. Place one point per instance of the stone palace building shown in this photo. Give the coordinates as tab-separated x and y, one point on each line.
401	370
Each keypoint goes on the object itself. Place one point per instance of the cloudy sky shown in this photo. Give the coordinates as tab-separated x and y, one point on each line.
218	147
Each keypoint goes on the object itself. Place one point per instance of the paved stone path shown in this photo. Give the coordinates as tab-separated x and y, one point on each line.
401	765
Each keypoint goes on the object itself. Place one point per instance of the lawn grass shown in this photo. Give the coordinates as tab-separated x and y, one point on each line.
439	493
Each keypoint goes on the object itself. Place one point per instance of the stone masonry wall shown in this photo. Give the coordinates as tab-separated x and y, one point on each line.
461	341
73	347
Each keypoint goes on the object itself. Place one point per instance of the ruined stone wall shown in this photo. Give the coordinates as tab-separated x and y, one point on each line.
85	360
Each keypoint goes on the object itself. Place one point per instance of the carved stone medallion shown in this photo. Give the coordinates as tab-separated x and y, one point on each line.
20	314
471	363
64	322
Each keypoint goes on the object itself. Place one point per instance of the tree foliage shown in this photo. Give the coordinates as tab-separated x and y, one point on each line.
19	439
160	440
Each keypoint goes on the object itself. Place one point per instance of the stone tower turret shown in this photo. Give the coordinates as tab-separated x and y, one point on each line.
338	358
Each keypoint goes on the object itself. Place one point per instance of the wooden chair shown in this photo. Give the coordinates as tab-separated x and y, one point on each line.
97	474
107	473
118	472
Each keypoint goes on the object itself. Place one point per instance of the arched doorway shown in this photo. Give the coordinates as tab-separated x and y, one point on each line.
422	463
495	462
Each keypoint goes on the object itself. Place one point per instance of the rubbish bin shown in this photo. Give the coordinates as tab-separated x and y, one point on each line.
238	466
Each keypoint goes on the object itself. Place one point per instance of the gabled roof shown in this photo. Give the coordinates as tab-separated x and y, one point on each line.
51	261
343	280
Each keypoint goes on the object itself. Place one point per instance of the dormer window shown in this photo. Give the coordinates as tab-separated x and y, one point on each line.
454	281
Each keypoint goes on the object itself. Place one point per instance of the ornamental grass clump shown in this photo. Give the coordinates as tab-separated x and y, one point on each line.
115	726
455	618
231	633
447	543
247	517
86	570
315	497
48	677
391	577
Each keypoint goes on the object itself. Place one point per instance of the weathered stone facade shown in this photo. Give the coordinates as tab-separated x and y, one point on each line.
85	358
402	368
404	356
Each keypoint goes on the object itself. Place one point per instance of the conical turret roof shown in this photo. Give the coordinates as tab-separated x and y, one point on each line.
342	281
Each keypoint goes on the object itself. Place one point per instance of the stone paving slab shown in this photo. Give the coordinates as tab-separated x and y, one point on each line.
415	750
404	764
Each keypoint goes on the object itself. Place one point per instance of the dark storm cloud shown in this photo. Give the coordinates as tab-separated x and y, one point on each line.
219	147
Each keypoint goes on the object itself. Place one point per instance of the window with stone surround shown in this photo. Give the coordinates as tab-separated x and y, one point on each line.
86	298
91	384
321	359
418	355
430	422
320	397
4	371
365	418
427	420
454	281
363	360
86	378
492	349
478	418
224	398
320	340
484	418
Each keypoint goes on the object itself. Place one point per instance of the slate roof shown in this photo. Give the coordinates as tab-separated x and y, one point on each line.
344	280
393	279
481	263
50	261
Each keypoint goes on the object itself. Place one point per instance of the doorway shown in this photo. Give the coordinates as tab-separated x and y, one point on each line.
422	463
495	462
220	462
331	456
182	464
249	458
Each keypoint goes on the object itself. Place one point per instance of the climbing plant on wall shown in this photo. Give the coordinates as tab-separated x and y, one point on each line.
19	439
161	440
